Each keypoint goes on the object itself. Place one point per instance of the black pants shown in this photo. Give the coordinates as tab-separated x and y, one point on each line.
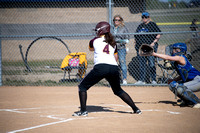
100	71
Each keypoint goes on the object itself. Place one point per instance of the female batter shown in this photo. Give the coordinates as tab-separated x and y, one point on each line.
105	66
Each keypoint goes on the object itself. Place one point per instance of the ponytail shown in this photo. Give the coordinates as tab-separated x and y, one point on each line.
110	39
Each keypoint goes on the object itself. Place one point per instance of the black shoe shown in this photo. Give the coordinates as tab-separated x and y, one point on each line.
183	103
138	112
180	102
80	113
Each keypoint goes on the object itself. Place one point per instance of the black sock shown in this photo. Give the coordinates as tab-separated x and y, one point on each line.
83	99
127	99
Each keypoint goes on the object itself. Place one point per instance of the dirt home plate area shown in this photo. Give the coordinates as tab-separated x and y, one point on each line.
34	109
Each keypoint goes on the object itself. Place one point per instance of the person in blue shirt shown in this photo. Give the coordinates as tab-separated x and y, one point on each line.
188	80
147	64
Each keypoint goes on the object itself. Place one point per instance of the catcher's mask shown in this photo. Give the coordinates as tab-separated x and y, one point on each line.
181	46
102	28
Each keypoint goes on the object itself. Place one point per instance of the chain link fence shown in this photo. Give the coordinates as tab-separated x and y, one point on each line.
37	35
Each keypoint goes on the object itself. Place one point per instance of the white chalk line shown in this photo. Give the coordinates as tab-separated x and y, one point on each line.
55	117
42	125
47	124
12	110
62	120
156	110
19	110
57	122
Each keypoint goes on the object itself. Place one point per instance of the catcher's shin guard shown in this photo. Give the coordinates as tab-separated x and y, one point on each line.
173	87
190	96
181	91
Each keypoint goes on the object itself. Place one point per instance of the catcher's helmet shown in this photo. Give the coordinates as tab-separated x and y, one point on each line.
102	28
181	46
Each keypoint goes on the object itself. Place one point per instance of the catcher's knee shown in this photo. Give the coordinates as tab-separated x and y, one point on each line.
181	89
177	88
173	86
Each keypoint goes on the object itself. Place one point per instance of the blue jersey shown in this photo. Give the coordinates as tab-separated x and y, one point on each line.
187	71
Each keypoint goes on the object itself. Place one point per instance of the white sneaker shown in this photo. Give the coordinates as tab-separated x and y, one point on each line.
124	82
154	82
80	113
196	106
140	83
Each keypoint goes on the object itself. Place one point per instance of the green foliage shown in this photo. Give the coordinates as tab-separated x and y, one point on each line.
156	4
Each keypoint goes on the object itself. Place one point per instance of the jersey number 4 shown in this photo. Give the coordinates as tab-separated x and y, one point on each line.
106	49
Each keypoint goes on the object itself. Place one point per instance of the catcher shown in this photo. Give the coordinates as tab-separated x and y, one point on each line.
188	80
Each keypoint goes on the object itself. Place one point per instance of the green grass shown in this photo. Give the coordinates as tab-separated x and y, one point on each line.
174	18
11	68
156	4
19	68
12	63
9	82
37	63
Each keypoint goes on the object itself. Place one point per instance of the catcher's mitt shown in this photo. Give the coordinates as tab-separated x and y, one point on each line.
145	50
